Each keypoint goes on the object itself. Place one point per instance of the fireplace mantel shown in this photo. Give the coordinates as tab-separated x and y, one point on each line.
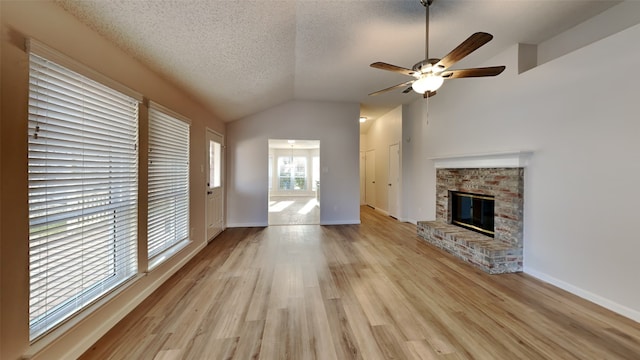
517	159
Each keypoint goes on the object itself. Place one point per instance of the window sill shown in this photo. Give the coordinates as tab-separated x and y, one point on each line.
167	254
49	337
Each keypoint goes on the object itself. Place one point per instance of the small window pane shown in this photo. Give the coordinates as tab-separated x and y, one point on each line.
168	204
215	164
316	173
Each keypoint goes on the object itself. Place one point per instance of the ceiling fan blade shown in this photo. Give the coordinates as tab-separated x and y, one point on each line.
392	87
475	72
394	68
429	94
468	46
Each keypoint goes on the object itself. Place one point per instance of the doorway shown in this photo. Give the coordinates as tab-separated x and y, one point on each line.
215	184
294	182
370	177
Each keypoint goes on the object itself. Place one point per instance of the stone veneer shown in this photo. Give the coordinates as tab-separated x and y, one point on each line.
501	254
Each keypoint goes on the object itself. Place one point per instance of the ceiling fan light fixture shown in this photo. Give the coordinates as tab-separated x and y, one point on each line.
437	68
428	82
430	73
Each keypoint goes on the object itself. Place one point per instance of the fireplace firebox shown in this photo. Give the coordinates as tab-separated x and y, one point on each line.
473	211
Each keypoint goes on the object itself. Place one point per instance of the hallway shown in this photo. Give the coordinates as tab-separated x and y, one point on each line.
294	210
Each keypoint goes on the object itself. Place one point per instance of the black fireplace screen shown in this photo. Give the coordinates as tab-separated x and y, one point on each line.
473	211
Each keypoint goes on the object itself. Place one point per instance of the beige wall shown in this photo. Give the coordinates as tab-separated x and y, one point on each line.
46	22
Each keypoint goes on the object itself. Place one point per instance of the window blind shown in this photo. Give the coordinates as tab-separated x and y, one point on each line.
83	180
168	216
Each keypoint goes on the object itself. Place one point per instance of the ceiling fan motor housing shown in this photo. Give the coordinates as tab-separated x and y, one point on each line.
426	2
426	66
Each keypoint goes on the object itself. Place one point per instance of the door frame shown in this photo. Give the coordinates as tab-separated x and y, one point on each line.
363	178
394	185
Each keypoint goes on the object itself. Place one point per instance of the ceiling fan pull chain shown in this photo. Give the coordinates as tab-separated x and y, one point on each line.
428	109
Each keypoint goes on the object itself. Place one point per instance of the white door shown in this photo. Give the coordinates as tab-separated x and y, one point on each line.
215	184
370	177
394	179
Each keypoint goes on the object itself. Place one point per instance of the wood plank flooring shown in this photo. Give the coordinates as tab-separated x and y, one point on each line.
370	291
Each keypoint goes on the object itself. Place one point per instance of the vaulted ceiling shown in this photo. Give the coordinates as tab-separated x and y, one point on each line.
240	57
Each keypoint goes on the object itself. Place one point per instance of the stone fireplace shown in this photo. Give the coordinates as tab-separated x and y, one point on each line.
502	179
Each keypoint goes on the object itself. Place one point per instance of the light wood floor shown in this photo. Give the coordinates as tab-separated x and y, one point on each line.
294	210
373	291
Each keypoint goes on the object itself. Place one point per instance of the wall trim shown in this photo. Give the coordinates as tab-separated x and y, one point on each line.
341	222
385	212
245	225
411	221
513	159
587	295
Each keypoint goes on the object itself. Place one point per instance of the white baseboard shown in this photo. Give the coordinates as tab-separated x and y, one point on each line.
411	221
587	295
386	213
333	222
341	222
241	225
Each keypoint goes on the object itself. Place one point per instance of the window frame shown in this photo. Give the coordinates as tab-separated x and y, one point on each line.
170	245
54	148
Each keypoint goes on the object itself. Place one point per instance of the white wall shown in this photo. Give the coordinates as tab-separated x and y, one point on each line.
617	18
385	131
579	113
335	124
418	173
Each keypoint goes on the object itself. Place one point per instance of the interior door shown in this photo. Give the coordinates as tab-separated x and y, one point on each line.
215	184
394	179
370	177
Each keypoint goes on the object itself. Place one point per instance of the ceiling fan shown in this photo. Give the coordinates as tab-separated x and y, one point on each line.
429	74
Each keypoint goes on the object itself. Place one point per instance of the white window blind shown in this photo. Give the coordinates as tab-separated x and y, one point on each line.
168	217
83	181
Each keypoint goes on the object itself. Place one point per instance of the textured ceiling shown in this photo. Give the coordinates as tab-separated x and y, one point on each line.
240	57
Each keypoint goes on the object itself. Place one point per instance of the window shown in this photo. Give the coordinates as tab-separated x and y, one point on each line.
316	172
215	164
168	217
292	173
270	172
83	183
